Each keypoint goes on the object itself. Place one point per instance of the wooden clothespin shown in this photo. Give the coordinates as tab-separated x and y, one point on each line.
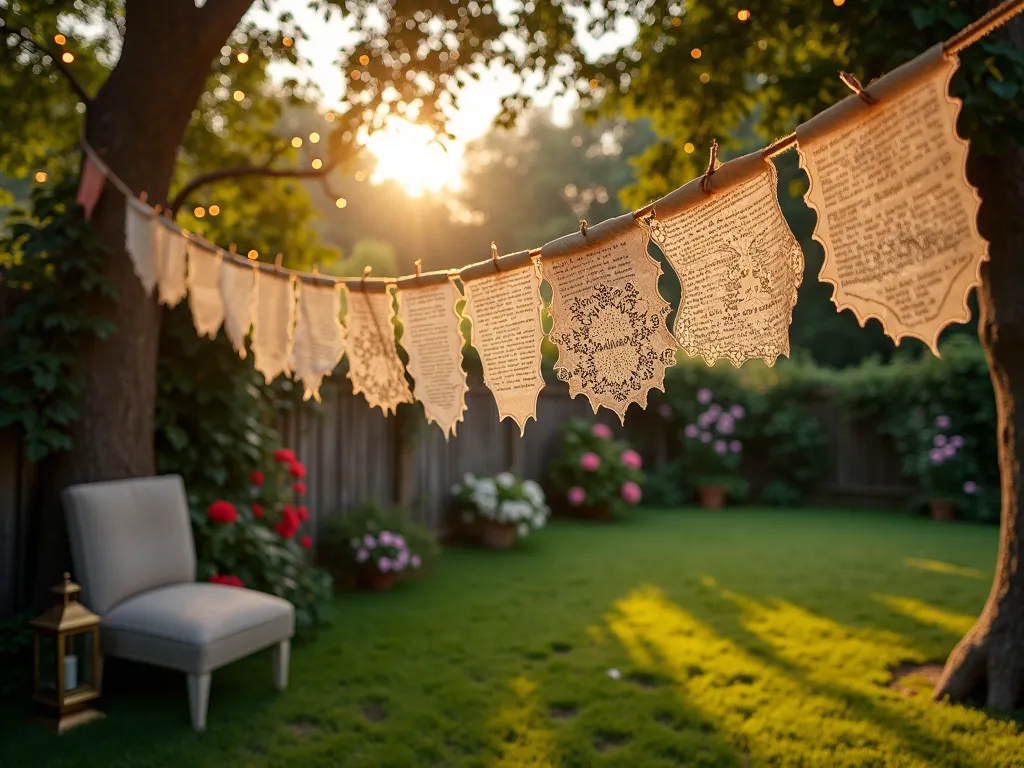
232	247
366	273
143	196
705	182
419	267
278	259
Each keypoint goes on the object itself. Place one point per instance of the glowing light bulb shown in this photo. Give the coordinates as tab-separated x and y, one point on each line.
199	212
341	202
676	22
360	175
67	57
253	254
287	42
214	210
317	163
329	117
838	3
243	57
705	77
594	84
696	53
314	137
239	95
41	176
59	39
297	142
743	15
688	147
364	59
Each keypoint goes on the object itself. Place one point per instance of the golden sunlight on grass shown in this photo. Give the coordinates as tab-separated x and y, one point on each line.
937	566
956	623
776	680
525	738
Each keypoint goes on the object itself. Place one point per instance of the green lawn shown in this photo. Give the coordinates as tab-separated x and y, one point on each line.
743	637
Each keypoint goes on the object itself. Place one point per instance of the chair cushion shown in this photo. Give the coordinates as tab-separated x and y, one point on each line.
195	627
128	537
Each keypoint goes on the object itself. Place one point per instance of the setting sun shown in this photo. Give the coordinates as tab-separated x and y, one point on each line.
409	155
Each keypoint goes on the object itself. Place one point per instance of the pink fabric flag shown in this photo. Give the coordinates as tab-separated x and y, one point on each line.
90	187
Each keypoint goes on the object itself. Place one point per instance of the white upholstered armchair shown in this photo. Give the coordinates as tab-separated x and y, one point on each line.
133	553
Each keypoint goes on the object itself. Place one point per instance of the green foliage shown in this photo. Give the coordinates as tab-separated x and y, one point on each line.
337	554
603	486
503	498
264	544
50	269
908	396
15	656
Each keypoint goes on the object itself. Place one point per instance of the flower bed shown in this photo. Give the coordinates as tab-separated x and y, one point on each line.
595	475
499	510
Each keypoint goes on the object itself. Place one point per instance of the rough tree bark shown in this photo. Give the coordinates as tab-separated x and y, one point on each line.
136	122
990	658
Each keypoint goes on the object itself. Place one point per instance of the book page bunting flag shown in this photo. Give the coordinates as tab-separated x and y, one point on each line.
896	215
273	319
505	310
169	260
236	291
319	336
374	366
90	186
737	261
204	299
140	228
430	334
608	319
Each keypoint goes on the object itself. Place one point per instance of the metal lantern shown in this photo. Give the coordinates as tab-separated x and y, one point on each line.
67	659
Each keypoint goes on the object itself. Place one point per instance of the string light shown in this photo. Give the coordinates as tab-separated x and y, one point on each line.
594	84
214	210
239	95
329	117
317	163
243	57
67	57
199	211
40	176
454	55
287	42
705	77
59	39
297	142
360	175
676	22
314	137
745	14
253	254
688	148
695	53
838	3
356	74
341	202
364	59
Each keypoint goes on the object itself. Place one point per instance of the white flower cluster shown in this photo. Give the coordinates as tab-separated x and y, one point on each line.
505	499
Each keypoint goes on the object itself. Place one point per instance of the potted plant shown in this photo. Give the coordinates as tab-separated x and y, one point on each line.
946	470
712	450
502	508
595	475
371	547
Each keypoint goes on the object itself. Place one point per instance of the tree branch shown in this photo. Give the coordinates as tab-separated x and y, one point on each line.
76	86
242	171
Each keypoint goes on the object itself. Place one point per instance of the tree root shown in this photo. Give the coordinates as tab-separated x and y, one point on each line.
983	660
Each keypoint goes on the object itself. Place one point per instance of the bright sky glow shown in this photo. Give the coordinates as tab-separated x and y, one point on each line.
405	152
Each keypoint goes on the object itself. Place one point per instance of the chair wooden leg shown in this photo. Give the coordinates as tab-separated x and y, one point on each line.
198	699
282	651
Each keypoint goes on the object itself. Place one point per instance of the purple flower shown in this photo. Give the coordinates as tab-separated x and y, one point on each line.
726	424
590	461
735	446
665	410
705	437
384	564
576	496
362	556
704	396
386	538
369	541
939	440
602	431
399	542
936	456
737	412
949	451
942	422
714	410
692	430
706	419
416	562
970	487
720	447
956	441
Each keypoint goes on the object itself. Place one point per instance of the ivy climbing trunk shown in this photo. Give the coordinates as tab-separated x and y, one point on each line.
136	122
988	664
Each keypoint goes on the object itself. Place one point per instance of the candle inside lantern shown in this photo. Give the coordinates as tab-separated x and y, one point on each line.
70	672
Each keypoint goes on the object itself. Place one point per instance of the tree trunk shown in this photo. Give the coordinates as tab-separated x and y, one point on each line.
988	664
136	123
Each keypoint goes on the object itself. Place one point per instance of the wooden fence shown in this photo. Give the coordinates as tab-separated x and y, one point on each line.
354	453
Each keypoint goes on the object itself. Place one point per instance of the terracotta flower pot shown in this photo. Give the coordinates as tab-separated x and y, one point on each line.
495	535
942	510
373	578
712	496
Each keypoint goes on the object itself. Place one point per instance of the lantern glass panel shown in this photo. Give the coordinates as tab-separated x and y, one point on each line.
47	666
79	674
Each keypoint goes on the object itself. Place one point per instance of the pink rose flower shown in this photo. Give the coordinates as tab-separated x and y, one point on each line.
631	459
631	493
590	461
705	437
949	451
576	496
602	431
956	441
